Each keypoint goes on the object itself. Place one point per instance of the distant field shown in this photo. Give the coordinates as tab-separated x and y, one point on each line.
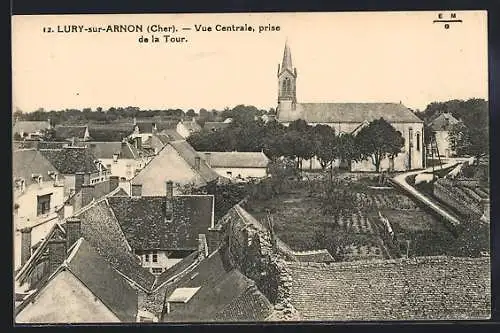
298	217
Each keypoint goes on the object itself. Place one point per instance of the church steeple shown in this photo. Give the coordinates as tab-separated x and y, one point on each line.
287	58
287	76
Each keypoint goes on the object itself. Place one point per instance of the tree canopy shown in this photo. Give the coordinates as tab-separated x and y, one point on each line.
379	140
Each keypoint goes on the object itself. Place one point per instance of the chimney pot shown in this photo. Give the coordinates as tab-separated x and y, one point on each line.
25	245
73	231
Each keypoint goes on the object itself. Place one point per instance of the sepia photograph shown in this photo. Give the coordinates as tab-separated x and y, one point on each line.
250	167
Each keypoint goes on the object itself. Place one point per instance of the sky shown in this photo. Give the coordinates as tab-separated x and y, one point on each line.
340	57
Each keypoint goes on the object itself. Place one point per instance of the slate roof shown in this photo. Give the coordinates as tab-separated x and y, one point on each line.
106	150
144	224
103	281
29	162
121	193
156	141
187	152
425	288
443	122
176	270
30	126
236	159
225	294
172	134
101	229
68	132
71	160
349	113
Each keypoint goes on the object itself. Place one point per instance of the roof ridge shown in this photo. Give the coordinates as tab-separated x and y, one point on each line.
311	251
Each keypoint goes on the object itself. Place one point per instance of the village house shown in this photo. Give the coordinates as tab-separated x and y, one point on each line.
163	230
38	193
177	162
349	118
237	165
440	127
106	226
72	133
186	128
121	159
73	162
81	287
143	129
30	130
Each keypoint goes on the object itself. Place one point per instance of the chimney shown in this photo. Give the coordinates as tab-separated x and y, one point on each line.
136	190
202	246
25	245
138	142
86	178
57	253
79	181
208	158
114	182
68	209
87	194
213	239
197	161
73	231
169	205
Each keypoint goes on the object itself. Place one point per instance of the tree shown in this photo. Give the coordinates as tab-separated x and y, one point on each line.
48	134
379	140
470	137
324	145
346	149
190	113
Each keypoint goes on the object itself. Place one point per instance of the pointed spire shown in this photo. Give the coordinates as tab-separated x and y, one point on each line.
287	58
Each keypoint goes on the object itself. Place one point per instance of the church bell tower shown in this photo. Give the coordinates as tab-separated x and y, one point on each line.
287	77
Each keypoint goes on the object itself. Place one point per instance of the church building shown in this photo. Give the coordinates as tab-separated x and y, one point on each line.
350	118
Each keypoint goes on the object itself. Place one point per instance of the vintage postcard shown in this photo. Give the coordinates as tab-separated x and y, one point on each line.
251	167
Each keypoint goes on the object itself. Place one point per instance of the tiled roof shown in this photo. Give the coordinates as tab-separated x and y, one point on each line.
189	154
224	295
145	127
102	230
443	122
235	159
416	289
314	256
29	162
103	281
106	150
68	132
156	141
30	126
110	133
348	113
144	224
71	160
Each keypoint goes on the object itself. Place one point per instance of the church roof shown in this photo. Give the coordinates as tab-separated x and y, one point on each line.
287	59
349	113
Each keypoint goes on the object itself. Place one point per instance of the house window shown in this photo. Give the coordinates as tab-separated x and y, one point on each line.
43	204
229	173
157	270
418	141
155	257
